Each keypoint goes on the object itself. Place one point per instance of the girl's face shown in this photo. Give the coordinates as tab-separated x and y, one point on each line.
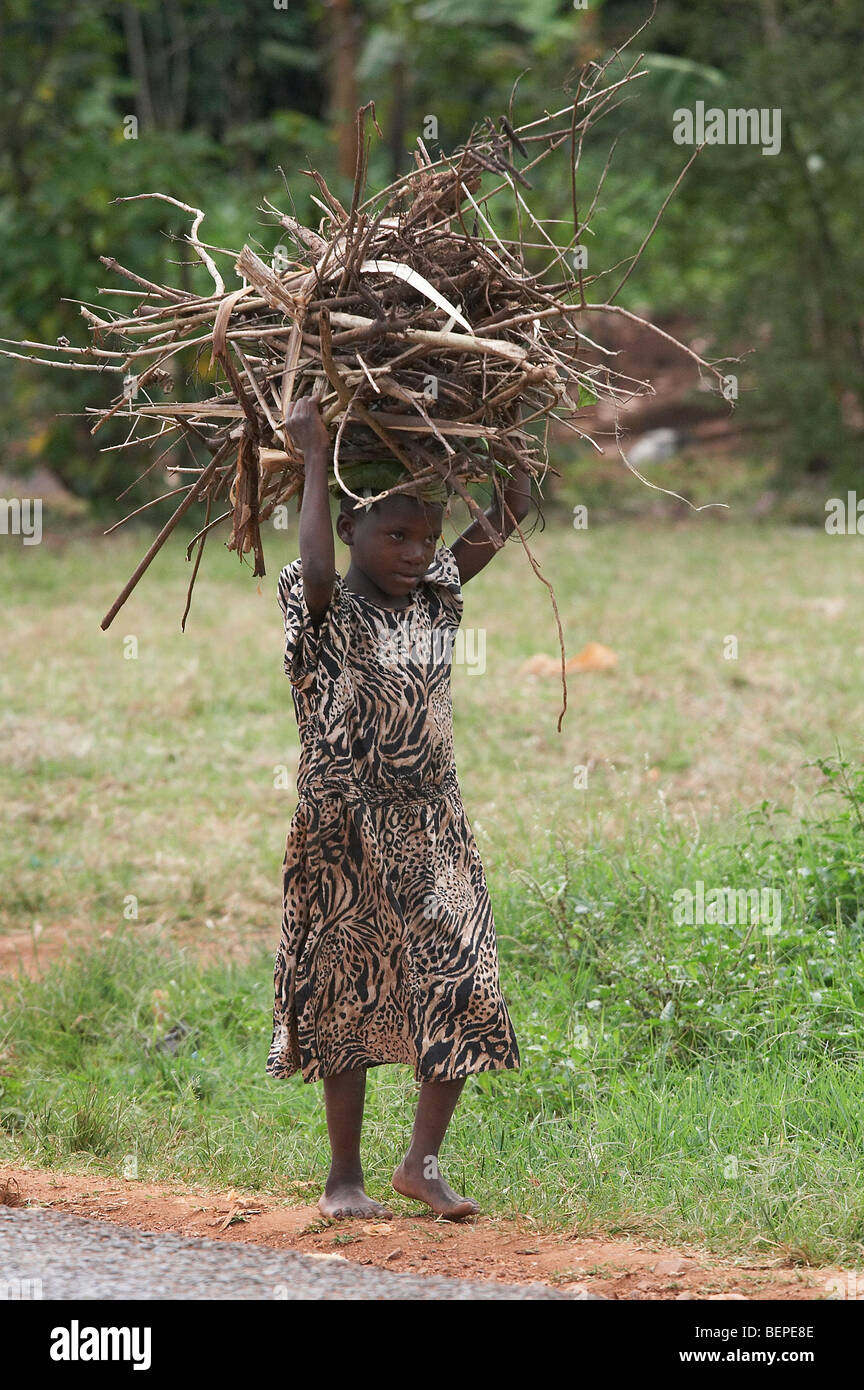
394	541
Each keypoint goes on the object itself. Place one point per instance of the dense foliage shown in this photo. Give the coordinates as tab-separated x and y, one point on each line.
759	251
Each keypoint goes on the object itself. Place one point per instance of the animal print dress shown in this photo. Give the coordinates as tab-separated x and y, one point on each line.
387	950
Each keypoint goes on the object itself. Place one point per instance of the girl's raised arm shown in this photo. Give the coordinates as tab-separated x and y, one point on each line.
473	549
304	424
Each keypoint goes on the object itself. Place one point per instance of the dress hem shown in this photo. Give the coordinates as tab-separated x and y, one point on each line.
280	1074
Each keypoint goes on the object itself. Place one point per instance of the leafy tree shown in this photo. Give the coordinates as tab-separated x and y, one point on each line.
209	101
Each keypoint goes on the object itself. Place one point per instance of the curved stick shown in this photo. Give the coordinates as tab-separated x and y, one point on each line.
192	237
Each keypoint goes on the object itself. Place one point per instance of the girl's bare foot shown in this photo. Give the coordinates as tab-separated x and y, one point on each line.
434	1191
345	1199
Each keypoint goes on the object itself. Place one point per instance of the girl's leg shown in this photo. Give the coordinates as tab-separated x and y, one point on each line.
344	1095
418	1175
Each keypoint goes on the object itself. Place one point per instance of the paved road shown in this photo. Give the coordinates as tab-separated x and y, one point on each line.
77	1258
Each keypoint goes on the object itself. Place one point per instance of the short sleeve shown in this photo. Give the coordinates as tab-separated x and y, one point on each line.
303	642
442	577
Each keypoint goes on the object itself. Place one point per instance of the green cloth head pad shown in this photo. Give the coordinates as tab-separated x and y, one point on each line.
366	479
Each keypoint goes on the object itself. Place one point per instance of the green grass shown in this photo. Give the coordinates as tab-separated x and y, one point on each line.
159	776
695	1082
732	1120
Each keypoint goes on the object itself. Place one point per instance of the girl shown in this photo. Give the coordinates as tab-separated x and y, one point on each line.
387	950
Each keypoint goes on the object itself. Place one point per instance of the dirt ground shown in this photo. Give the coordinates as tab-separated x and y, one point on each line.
22	952
484	1248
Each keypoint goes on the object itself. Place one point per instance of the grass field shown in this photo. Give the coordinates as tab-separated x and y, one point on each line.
702	1081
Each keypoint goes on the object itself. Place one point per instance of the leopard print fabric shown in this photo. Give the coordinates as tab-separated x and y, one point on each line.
387	951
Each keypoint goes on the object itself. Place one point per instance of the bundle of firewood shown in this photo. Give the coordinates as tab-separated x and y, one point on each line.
417	323
421	331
